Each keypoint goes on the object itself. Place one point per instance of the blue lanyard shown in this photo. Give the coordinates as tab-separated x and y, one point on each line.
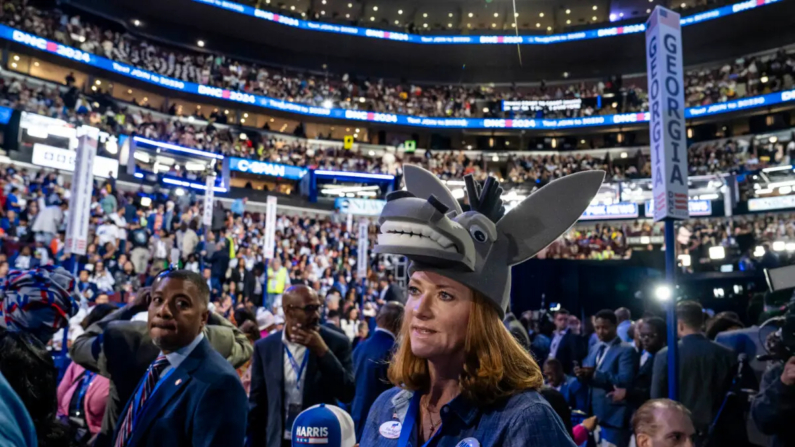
299	371
409	420
88	378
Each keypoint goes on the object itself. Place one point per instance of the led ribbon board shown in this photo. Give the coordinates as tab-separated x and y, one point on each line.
265	102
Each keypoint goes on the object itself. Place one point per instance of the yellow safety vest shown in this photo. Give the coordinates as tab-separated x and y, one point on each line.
277	281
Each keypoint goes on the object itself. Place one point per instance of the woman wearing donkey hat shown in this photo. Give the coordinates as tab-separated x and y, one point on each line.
461	379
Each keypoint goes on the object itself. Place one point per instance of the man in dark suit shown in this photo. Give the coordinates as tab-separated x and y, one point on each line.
292	370
565	345
371	362
219	261
391	292
705	368
333	322
122	350
611	364
177	401
650	339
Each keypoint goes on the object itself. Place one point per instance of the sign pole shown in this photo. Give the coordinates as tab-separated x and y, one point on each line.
670	311
270	228
207	208
668	136
361	255
76	241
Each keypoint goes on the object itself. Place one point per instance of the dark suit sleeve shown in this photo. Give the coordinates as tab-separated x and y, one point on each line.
659	377
627	368
337	366
257	402
86	350
214	428
640	391
773	408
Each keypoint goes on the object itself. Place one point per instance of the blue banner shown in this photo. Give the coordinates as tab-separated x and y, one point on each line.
265	168
470	40
376	117
5	114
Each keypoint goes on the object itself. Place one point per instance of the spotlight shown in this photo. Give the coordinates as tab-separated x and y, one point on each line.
663	293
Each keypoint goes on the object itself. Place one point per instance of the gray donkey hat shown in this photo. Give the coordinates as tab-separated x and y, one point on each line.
477	248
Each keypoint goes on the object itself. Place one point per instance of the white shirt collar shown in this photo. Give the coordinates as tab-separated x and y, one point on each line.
610	343
177	357
388	332
293	346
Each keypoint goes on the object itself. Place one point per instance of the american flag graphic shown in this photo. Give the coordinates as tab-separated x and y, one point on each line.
680	201
311	440
669	18
659	201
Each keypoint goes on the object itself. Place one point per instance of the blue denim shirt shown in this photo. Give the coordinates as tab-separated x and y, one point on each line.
525	419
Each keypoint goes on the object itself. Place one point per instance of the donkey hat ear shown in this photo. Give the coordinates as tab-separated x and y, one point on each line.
424	184
547	213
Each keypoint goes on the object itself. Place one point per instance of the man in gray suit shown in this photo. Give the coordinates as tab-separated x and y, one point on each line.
705	368
122	350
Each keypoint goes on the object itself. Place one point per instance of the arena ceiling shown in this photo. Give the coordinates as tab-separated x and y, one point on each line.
185	22
468	16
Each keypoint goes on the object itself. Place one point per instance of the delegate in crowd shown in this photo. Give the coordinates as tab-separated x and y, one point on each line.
744	77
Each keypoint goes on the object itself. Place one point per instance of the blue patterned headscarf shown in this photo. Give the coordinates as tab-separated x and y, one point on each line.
39	301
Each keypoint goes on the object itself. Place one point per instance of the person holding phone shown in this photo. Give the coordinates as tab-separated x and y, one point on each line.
610	365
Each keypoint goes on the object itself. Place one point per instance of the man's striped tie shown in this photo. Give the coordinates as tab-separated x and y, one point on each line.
152	376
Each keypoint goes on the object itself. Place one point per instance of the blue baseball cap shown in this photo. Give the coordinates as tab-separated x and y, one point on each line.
323	425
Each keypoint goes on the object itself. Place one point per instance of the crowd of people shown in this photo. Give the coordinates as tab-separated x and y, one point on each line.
744	77
108	114
604	378
180	333
607	242
154	263
739	235
610	366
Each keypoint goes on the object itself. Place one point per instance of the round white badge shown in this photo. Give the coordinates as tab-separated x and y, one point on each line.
468	442
390	429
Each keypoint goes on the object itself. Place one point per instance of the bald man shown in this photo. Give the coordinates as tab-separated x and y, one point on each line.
304	365
663	423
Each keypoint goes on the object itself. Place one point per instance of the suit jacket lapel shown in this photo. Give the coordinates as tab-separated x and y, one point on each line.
274	358
276	351
608	355
309	379
168	389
